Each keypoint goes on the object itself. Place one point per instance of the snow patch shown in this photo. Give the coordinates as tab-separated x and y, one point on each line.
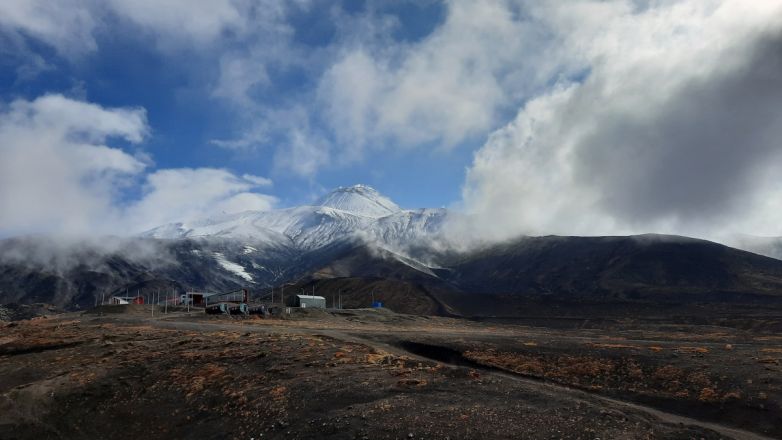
359	200
232	267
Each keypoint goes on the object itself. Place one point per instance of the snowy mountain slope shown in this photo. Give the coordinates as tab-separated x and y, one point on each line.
345	215
359	200
356	211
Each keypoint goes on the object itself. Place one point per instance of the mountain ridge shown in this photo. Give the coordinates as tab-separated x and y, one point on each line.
358	210
364	237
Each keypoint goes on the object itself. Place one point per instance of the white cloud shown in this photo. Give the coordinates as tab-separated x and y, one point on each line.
66	25
635	115
447	88
188	194
238	77
71	26
303	153
257	180
375	92
371	90
199	20
59	176
56	173
676	128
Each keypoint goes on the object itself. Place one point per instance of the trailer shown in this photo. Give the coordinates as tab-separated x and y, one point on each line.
258	310
238	309
218	309
234	296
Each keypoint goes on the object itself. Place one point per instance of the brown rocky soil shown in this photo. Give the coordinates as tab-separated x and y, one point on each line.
375	374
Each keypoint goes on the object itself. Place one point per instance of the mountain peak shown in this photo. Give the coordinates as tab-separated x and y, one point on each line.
360	200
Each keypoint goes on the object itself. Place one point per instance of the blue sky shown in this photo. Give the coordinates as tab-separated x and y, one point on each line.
175	86
582	117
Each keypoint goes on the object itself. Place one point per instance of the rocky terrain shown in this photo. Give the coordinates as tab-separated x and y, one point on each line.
18	312
356	374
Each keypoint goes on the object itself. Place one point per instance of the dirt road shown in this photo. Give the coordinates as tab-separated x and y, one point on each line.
362	374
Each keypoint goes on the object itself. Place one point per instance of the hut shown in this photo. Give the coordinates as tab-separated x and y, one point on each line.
307	301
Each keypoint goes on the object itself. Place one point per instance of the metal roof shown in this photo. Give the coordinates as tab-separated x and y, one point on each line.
311	297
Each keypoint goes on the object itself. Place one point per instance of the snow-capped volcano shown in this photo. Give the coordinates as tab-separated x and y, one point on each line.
359	200
342	213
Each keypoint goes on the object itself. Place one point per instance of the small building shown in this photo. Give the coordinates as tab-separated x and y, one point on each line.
307	301
202	299
197	299
234	296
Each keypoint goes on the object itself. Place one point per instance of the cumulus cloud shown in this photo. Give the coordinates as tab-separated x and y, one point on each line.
237	77
627	116
71	26
199	20
449	87
188	194
59	175
364	89
65	25
373	91
56	172
676	128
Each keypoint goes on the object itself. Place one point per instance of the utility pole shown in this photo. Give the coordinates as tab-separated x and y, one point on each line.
340	299
282	296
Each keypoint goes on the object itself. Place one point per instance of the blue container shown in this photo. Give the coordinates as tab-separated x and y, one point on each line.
377	305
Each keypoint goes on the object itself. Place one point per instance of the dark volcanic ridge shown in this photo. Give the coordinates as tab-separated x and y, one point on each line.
585	270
